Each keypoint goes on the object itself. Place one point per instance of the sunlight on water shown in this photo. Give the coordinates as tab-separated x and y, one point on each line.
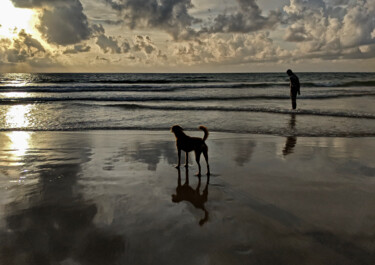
13	152
19	143
12	95
18	116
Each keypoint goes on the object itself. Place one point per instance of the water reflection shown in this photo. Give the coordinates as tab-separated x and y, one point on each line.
185	192
18	116
19	143
151	153
291	140
50	222
244	151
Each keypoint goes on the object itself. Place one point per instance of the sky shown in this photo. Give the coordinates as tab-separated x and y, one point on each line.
186	35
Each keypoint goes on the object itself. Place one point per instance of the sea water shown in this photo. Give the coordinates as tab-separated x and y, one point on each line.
330	104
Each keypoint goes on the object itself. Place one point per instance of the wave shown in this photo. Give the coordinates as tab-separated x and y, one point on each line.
259	131
250	109
368	83
172	86
135	98
135	87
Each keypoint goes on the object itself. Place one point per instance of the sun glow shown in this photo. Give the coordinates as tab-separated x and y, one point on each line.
19	144
18	116
13	19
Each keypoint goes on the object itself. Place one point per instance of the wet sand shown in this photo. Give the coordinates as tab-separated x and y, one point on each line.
115	198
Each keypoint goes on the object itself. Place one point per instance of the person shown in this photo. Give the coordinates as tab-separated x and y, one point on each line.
294	87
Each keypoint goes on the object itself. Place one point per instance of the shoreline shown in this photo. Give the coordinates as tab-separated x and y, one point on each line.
166	131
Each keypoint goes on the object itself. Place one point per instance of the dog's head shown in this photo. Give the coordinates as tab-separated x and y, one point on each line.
176	129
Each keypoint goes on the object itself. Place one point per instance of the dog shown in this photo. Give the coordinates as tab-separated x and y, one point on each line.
188	144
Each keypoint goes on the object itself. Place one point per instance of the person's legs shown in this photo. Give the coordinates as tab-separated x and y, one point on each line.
293	96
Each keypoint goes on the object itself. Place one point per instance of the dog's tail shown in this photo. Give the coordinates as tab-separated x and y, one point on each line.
203	128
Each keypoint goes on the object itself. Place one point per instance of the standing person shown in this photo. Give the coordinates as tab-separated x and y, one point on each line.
294	87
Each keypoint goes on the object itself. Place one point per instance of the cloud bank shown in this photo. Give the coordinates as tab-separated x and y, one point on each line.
177	33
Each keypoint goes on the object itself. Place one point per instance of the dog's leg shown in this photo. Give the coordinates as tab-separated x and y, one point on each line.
187	176
205	153
197	189
186	159
197	158
179	158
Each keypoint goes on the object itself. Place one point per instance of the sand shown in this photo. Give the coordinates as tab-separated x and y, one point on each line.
114	197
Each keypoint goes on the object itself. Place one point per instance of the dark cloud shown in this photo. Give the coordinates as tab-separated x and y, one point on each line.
144	44
65	24
108	44
97	29
60	22
28	41
77	49
339	2
16	56
247	19
171	16
126	46
109	21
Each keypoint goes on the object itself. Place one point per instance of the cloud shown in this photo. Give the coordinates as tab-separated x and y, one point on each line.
248	18
108	44
330	30
77	49
35	3
238	32
171	16
109	21
230	49
143	44
101	59
140	44
60	22
28	41
25	53
21	48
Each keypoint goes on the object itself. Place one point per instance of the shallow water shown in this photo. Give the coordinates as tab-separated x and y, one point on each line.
112	197
331	104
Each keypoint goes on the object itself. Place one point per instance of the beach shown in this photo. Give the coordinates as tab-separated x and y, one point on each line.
113	197
278	98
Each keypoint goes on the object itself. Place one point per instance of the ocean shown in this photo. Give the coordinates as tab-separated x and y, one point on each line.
330	104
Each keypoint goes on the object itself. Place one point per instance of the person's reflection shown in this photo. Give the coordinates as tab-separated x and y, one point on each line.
186	193
291	140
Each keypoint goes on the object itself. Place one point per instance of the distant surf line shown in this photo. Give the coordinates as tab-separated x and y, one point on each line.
171	85
22	100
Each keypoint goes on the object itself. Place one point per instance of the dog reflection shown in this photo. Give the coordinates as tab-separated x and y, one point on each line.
186	193
291	141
